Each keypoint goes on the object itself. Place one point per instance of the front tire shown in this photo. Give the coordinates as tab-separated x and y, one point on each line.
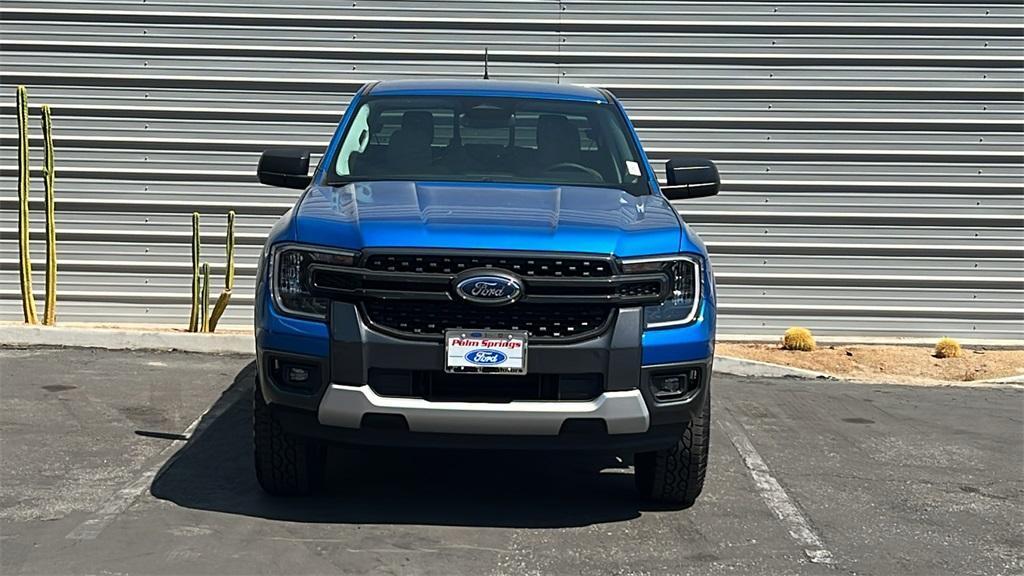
676	474
286	464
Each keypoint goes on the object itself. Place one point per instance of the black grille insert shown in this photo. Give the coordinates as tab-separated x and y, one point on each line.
546	266
432	318
640	289
443	387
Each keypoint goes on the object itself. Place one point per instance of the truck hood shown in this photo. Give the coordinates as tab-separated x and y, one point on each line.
487	216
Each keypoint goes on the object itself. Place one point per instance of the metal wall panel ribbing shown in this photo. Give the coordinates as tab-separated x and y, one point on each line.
871	152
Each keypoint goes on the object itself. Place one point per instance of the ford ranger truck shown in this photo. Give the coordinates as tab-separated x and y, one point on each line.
489	265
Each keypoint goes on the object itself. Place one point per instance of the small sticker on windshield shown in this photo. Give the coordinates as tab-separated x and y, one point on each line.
633	168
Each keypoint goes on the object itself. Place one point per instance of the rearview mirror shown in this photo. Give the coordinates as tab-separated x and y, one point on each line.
285	167
486	117
690	178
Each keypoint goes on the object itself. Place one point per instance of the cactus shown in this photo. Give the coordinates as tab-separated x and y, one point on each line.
797	338
205	326
194	321
229	274
28	301
948	348
50	312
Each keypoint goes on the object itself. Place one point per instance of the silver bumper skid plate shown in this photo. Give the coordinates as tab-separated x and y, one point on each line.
624	412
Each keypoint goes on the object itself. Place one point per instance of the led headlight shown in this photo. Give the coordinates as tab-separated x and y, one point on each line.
684	279
291	277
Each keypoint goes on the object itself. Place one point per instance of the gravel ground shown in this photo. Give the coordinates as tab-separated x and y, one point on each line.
141	463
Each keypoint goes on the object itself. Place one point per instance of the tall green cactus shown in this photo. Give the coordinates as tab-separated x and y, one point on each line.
50	312
194	322
229	274
205	326
28	301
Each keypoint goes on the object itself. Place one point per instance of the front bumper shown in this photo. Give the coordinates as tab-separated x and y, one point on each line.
341	406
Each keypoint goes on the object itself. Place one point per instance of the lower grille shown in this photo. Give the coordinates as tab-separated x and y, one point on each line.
430	318
444	387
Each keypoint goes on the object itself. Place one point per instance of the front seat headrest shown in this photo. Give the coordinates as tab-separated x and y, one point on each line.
558	140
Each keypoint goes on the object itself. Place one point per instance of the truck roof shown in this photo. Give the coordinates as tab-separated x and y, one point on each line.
495	88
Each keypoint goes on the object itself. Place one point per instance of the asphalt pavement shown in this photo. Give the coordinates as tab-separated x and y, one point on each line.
117	462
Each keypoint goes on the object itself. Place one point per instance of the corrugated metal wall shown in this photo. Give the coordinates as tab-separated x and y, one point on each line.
871	152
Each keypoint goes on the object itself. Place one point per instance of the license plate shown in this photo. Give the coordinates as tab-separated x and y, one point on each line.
485	352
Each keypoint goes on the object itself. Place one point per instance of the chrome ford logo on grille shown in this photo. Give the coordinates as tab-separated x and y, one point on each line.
491	289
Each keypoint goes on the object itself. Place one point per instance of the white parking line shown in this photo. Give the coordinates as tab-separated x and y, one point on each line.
774	496
124	497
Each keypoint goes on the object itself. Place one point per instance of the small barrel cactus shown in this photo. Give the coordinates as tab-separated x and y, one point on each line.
797	338
948	348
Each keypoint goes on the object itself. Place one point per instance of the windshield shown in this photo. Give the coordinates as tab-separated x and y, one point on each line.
482	139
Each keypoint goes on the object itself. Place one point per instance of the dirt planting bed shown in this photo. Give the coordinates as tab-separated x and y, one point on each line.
895	364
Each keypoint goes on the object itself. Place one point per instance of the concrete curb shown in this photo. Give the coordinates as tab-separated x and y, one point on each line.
116	339
756	369
1011	380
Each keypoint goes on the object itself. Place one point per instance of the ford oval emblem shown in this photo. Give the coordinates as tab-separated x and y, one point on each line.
488	289
485	357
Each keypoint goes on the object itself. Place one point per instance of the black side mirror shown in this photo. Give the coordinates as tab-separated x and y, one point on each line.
285	167
689	177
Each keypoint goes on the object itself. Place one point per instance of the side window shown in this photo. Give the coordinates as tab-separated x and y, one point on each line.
526	130
444	126
525	126
386	124
389	121
588	140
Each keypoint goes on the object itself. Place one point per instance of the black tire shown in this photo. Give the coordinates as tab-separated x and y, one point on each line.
675	475
286	465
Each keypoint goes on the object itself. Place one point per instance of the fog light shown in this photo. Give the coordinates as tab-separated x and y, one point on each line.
294	376
668	386
297	375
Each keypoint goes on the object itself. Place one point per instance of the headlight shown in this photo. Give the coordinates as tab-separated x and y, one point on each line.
684	278
291	277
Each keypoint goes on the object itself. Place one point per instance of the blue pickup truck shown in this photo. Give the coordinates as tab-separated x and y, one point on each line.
491	265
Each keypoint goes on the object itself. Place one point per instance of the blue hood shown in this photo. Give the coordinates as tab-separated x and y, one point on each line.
487	216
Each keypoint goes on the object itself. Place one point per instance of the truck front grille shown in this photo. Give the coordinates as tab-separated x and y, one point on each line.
431	318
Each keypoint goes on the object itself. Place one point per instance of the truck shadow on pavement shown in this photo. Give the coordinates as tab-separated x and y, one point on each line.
214	471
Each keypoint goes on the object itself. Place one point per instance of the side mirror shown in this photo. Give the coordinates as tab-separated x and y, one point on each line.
285	167
690	178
